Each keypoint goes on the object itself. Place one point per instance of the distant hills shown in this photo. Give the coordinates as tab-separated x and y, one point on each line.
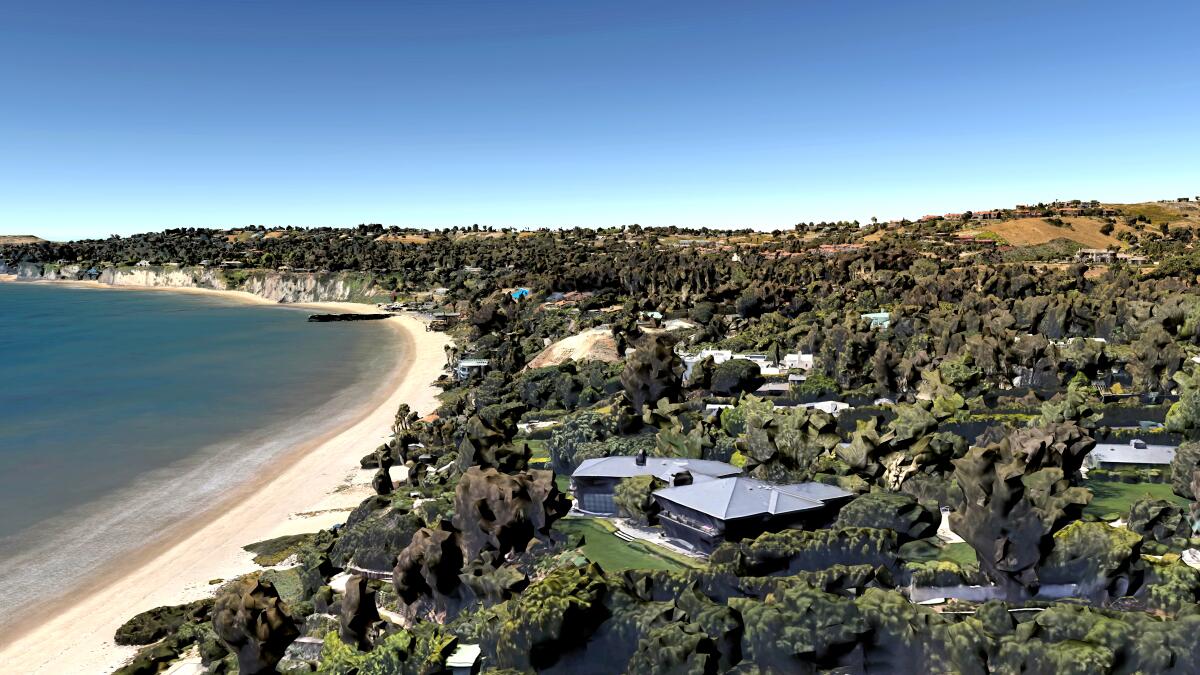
20	239
1091	231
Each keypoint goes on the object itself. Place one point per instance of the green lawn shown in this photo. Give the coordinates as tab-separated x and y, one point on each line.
960	554
564	483
1112	497
603	547
537	448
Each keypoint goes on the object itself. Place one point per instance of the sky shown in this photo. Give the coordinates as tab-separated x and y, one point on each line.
123	117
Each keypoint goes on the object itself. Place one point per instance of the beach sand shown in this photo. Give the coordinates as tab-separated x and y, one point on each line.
320	483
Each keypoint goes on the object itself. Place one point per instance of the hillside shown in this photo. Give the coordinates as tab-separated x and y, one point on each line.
1133	221
12	239
595	344
1172	213
1033	231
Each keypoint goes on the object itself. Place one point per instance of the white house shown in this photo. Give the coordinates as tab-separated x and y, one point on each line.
798	361
1137	454
468	367
832	407
766	367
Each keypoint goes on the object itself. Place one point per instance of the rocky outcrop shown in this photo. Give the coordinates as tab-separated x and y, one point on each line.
283	287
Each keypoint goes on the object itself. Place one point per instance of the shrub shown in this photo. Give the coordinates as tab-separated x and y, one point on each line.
634	498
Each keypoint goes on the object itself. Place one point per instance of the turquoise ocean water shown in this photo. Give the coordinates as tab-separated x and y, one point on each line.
122	412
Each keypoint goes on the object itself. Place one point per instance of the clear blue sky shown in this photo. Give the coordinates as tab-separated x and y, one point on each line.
123	117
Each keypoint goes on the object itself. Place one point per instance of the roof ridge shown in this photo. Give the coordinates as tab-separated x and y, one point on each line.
793	495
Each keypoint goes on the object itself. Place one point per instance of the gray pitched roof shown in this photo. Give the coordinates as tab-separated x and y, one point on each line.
1134	452
739	497
625	466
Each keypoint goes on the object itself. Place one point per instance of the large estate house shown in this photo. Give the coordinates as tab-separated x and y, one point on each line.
707	502
595	480
703	515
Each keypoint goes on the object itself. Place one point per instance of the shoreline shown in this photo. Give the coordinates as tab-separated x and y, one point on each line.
320	482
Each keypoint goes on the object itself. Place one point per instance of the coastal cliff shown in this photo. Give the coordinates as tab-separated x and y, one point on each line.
283	287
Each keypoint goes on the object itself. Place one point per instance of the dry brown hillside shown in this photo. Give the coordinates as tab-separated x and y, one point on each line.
1032	231
595	344
20	239
1085	230
1172	213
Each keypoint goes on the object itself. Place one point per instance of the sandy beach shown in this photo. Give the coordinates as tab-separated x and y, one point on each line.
319	484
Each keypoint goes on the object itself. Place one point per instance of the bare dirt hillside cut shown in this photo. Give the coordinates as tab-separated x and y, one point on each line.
1034	231
595	344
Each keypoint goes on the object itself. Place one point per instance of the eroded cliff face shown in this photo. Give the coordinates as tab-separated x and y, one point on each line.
276	286
283	287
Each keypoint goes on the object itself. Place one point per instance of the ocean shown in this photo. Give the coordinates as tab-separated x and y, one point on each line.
122	412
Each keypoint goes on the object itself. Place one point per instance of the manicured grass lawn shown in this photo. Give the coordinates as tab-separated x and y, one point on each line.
603	547
537	448
1111	497
960	554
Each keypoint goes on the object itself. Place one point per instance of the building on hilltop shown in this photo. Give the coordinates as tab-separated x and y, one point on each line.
705	514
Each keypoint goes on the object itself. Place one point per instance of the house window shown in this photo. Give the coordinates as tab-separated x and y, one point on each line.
597	503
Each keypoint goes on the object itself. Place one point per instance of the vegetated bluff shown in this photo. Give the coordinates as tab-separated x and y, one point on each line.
997	372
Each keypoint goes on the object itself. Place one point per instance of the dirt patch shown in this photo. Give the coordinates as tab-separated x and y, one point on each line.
403	238
1034	231
595	344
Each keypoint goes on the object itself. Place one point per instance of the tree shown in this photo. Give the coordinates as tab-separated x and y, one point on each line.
1185	462
675	648
1075	406
702	374
252	622
358	613
736	376
749	304
1184	415
703	312
784	445
487	436
652	372
1160	521
1102	561
634	498
1016	494
799	626
402	422
505	513
890	511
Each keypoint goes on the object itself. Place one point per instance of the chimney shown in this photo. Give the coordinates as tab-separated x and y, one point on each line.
640	459
682	478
